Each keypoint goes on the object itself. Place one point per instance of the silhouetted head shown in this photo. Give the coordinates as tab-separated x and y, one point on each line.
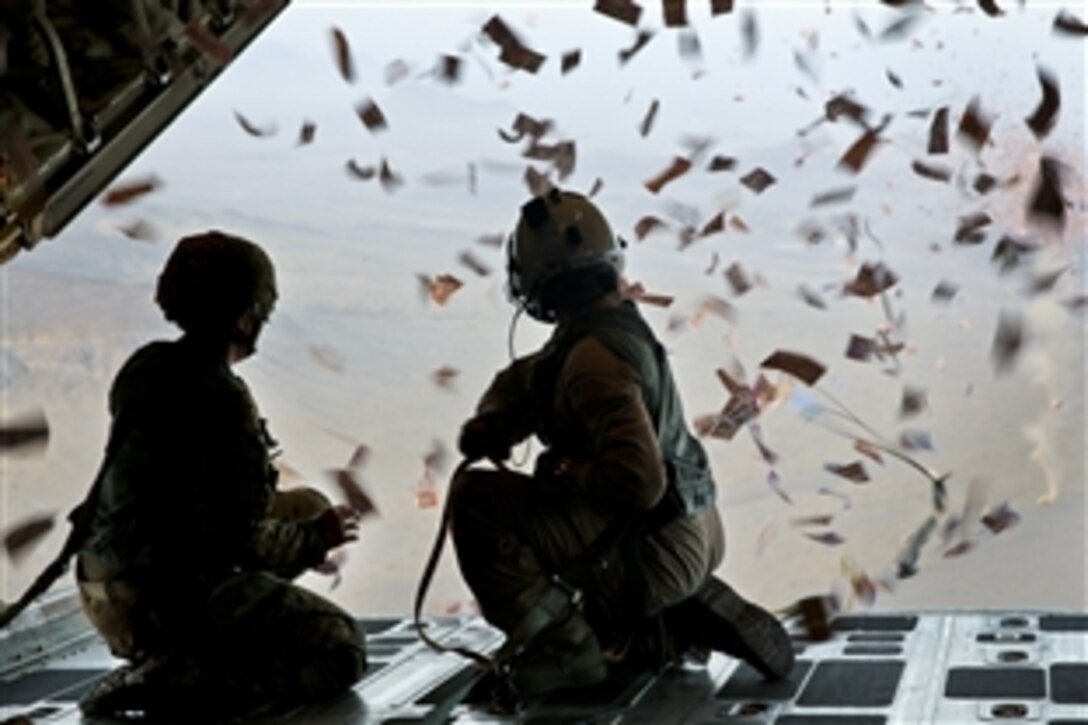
219	287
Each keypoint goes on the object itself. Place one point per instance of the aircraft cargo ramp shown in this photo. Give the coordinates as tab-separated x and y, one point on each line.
908	667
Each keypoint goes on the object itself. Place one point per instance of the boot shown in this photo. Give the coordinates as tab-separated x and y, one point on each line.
566	656
143	687
563	657
718	618
166	686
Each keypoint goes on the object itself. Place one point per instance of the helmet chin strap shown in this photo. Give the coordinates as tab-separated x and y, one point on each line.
513	328
518	311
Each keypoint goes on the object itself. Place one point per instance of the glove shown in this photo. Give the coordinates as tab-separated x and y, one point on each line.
483	437
337	525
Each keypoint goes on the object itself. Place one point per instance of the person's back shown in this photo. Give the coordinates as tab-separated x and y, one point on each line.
188	436
647	466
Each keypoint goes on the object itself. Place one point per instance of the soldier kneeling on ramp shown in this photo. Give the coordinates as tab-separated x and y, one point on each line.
184	548
607	552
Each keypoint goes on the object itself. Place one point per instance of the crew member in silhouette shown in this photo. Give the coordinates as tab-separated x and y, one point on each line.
186	564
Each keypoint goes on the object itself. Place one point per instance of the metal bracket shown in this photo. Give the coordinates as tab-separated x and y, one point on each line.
59	59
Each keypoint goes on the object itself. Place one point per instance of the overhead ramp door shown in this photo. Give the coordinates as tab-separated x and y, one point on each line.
85	86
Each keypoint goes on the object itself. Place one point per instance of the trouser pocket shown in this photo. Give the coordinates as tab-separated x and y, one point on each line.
119	611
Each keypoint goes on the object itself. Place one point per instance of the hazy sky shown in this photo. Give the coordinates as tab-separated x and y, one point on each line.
752	109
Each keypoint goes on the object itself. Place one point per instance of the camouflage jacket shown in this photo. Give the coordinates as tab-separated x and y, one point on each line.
184	497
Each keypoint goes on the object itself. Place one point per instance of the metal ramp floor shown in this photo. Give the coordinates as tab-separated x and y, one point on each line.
942	667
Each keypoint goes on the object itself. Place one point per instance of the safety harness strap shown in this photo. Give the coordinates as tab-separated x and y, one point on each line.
557	603
425	584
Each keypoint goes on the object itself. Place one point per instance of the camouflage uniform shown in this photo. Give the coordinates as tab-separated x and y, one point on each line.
611	409
183	557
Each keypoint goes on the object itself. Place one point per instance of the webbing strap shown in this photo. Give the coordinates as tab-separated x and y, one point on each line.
545	611
425	584
559	601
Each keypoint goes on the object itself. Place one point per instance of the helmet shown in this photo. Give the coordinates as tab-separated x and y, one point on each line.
559	232
212	279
